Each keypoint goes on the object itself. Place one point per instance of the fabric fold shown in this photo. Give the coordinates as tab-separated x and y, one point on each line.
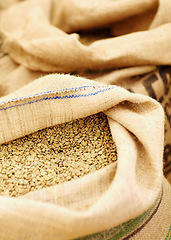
126	190
112	51
28	44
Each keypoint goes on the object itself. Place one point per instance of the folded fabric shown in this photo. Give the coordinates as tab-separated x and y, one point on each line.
113	45
91	39
104	199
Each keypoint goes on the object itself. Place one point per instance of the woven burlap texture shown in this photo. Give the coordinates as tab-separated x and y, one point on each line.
45	41
153	229
28	41
100	200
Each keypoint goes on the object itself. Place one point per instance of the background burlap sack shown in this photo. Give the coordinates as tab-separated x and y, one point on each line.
28	41
102	200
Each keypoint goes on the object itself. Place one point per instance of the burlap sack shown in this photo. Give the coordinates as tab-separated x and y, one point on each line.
28	41
125	198
38	42
7	3
156	84
14	76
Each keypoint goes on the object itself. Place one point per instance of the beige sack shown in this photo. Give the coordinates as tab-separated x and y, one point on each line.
102	200
14	76
28	41
38	45
130	198
156	84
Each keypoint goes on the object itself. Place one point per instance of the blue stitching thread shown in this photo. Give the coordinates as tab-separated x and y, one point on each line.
38	94
58	97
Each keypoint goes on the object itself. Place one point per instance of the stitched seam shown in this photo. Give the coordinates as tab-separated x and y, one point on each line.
47	92
59	97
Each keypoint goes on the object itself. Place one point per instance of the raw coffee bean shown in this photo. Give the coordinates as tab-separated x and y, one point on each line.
56	154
